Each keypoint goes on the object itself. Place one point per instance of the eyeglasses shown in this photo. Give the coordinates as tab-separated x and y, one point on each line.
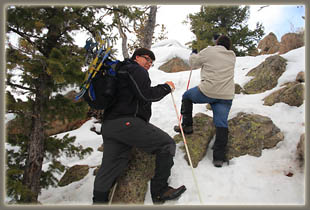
149	60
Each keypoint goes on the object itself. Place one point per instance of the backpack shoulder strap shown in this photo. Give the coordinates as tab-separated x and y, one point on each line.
120	64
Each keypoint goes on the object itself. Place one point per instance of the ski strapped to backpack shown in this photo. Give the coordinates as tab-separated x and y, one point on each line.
99	86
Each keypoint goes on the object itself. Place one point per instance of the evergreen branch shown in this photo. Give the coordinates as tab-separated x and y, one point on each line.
27	37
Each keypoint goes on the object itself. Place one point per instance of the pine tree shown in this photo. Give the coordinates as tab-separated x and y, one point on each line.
228	20
44	62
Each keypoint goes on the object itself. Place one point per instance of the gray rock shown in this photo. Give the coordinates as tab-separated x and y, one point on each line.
73	174
250	134
266	75
198	142
292	94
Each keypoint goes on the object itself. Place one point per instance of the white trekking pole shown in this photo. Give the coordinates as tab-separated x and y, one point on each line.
112	194
186	148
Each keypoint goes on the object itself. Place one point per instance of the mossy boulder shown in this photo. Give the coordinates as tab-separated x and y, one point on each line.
133	184
292	94
198	142
73	174
250	134
265	75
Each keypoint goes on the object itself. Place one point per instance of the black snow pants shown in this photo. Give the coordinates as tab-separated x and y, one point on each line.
119	136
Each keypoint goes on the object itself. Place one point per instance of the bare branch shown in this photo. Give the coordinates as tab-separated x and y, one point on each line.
262	7
21	87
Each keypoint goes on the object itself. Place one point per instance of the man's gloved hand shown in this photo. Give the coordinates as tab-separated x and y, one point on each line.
171	85
215	37
195	51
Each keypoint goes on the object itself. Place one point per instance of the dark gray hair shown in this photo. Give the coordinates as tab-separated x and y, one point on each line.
224	41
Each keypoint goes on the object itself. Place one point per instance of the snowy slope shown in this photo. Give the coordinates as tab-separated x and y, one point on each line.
247	180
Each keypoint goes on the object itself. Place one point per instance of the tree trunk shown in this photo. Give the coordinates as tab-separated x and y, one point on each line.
124	41
33	166
122	34
149	28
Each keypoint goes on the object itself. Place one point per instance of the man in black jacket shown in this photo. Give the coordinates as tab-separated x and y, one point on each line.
126	124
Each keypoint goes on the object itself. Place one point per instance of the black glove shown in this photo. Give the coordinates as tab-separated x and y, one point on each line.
216	36
194	51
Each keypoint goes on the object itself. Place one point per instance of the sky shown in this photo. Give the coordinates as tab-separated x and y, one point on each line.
247	180
279	19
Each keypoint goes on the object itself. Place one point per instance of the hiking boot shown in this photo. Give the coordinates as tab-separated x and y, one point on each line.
187	129
218	163
169	194
100	197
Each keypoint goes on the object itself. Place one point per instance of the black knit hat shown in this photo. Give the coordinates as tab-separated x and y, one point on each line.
143	51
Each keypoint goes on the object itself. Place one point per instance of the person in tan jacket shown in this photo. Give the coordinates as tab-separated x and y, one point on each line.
217	88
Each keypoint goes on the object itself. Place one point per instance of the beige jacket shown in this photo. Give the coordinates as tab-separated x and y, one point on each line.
217	71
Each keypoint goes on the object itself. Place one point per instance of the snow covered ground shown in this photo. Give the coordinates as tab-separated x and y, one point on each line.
247	180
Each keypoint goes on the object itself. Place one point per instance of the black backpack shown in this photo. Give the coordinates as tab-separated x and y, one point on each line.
102	89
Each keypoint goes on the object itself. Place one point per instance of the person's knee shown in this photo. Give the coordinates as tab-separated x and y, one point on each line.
220	123
168	149
220	117
184	96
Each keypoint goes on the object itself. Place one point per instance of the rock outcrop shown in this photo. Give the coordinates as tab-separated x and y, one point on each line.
291	41
269	44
